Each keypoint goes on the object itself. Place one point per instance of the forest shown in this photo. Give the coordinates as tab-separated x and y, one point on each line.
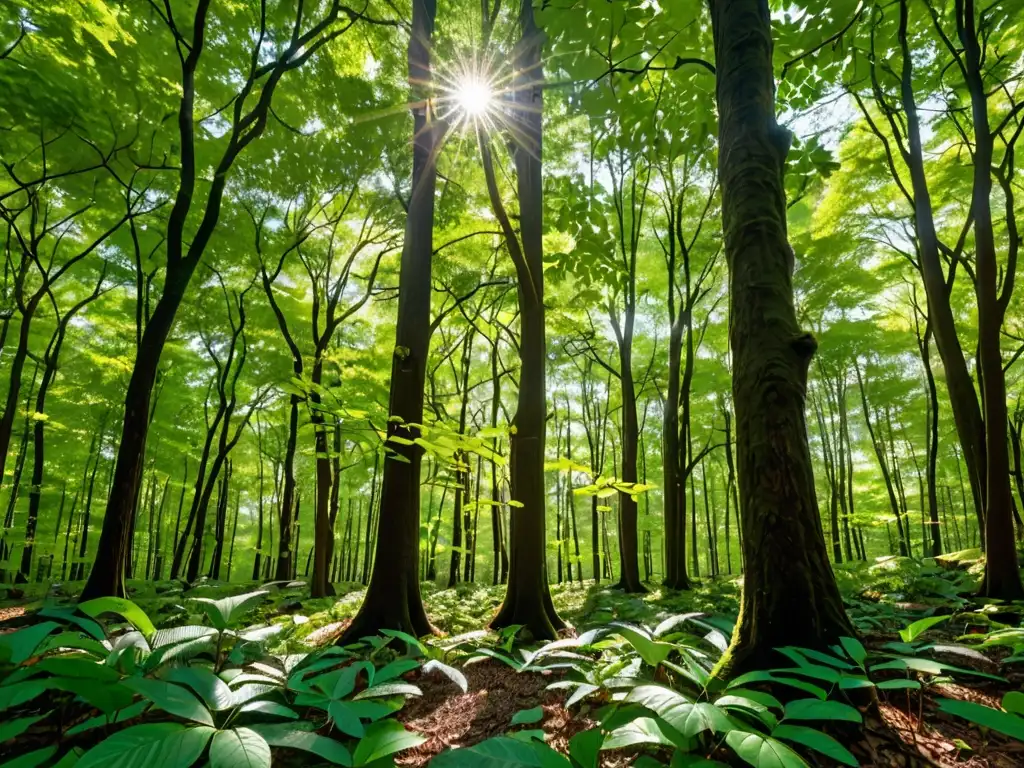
571	384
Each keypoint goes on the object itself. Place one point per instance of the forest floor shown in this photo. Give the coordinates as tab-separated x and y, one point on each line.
901	728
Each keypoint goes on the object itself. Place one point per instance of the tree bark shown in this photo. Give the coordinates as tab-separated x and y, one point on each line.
527	601
393	598
790	595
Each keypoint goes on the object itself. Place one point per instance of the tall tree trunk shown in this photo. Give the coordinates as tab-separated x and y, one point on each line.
393	598
1002	572
528	601
790	595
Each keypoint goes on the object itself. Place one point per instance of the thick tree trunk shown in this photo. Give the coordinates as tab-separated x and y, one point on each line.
790	595
393	598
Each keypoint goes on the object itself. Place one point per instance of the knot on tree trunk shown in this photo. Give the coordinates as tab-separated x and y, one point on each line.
804	345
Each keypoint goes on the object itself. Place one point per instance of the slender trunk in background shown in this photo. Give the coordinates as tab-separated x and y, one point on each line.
6	547
158	545
289	514
181	504
790	595
883	463
393	598
472	519
234	532
78	569
259	501
185	247
370	517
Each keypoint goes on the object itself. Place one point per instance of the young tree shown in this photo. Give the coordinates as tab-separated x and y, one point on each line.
274	52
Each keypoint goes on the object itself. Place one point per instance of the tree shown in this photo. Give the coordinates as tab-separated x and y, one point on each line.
393	597
527	601
790	595
187	240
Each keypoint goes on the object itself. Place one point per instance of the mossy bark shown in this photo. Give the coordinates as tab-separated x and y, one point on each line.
790	595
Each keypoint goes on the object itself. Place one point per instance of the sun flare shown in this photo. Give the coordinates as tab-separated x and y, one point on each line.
474	96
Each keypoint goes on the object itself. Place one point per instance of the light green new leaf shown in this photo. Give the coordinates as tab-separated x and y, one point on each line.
122	607
912	631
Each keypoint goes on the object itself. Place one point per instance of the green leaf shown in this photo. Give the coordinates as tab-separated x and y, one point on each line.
528	716
383	738
170	698
643	730
1006	723
11	728
682	759
31	759
19	693
912	631
388	689
1013	702
345	720
153	745
214	691
20	645
500	752
687	717
768	677
854	650
813	709
395	669
898	685
121	716
816	740
294	737
763	751
450	672
78	666
585	747
270	708
224	612
124	608
239	748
